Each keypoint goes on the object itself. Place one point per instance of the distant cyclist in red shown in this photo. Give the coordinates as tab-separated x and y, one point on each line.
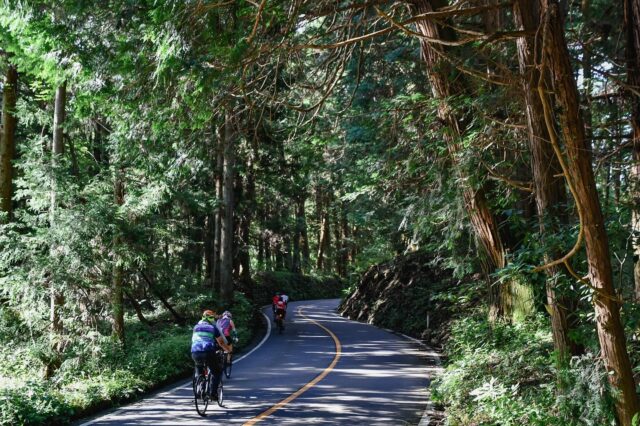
274	301
281	309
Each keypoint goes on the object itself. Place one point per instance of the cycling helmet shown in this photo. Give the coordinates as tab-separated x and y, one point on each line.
227	314
209	315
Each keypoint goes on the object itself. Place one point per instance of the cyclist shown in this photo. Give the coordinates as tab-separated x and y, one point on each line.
205	341
285	299
281	309
228	328
274	301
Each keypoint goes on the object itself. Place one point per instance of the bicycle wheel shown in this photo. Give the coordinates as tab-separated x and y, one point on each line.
228	365
220	393
200	395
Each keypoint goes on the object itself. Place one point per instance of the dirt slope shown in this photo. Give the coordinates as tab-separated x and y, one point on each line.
406	294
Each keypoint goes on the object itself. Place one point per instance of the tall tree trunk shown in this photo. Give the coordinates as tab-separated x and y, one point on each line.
279	256
238	217
295	258
267	250
632	25
260	256
57	150
246	218
444	86
7	140
218	211
301	221
226	234
582	183
346	240
547	174
324	239
286	252
117	293
296	265
337	237
208	250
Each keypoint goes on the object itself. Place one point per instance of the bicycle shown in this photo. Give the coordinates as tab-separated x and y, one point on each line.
279	319
202	384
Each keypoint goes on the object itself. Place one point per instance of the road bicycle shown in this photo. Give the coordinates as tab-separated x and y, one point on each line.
202	388
279	319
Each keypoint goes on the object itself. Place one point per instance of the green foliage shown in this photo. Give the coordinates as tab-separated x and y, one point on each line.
296	286
504	374
98	372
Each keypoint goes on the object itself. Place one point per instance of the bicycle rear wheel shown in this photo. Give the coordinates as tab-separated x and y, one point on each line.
228	365
220	393
200	395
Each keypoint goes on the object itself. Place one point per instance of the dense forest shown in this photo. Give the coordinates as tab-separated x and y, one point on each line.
161	156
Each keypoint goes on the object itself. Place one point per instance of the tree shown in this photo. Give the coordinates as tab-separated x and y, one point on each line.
632	25
445	88
7	139
57	150
228	205
117	290
547	173
579	174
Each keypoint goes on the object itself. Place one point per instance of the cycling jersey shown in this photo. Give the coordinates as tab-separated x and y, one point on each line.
204	337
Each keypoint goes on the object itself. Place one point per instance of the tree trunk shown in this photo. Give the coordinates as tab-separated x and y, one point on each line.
337	237
286	252
296	263
208	250
267	251
301	221
7	140
226	234
260	257
56	297
117	294
346	240
444	86
324	240
547	174
632	26
238	217
137	308
246	218
177	317
581	180
218	211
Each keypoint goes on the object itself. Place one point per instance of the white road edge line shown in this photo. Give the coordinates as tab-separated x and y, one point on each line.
264	339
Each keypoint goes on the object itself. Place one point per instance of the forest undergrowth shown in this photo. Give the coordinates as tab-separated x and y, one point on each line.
495	372
97	373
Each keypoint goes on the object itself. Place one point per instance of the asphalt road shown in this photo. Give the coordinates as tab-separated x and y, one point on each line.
324	369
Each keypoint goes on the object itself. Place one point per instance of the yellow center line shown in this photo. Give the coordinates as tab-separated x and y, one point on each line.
309	385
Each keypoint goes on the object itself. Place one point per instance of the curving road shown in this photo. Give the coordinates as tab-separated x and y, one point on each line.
324	369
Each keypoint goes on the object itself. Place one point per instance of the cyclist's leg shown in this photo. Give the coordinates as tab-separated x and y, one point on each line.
199	359
215	369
